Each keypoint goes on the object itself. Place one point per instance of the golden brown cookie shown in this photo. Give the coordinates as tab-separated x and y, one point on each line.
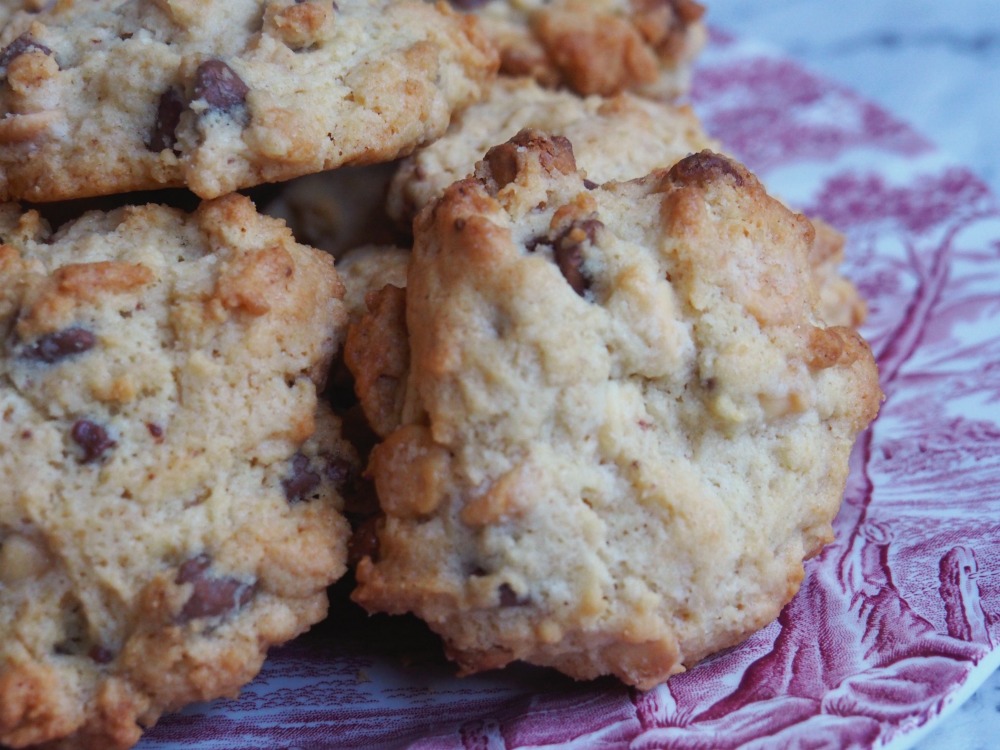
108	96
169	502
621	426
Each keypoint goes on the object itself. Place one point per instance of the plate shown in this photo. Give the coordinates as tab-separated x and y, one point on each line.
895	621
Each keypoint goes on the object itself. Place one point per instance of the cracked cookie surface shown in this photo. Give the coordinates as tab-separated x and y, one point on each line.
104	97
621	425
169	501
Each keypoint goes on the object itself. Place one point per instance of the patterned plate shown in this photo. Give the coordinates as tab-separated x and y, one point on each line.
895	620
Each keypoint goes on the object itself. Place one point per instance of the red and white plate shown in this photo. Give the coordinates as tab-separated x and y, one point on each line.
895	621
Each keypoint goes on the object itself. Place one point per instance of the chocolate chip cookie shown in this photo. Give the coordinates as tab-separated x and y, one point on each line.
169	503
621	426
104	97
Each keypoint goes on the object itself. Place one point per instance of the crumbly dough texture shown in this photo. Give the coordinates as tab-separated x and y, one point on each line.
623	425
105	96
596	46
169	502
617	138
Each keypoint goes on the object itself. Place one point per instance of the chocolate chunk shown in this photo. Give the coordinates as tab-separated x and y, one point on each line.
364	542
301	481
92	438
509	597
219	86
705	167
589	184
532	244
18	47
210	596
56	346
168	116
101	655
193	569
569	253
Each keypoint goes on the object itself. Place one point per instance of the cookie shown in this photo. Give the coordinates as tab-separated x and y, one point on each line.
105	97
169	505
620	138
596	46
623	425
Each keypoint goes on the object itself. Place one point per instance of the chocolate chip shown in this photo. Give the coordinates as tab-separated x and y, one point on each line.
101	655
193	569
532	244
469	4
168	116
56	346
155	430
509	597
92	438
18	47
219	86
364	542
210	596
301	481
704	167
568	251
589	184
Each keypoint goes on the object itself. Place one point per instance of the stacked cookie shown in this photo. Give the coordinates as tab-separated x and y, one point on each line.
611	383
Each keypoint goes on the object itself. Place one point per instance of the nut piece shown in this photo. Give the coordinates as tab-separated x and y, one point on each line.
21	559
